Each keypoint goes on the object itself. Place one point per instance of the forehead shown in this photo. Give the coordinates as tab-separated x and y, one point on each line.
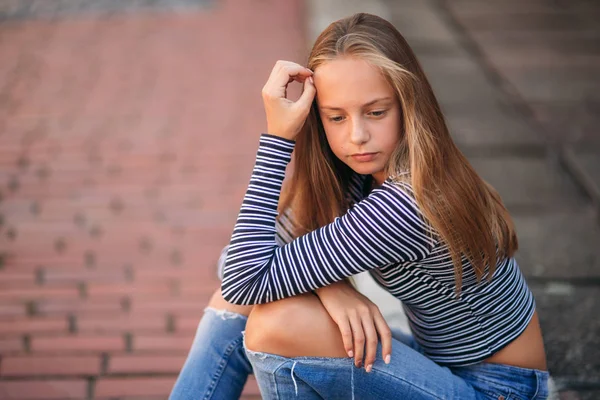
348	82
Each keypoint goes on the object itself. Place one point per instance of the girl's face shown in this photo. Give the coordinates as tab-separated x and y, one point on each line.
360	114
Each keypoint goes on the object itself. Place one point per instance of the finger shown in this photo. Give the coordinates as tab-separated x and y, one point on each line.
385	335
287	71
282	74
346	332
371	340
308	95
359	339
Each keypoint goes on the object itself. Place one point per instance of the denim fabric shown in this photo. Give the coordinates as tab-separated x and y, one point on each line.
216	367
219	363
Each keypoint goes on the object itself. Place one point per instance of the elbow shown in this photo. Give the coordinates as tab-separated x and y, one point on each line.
230	297
239	297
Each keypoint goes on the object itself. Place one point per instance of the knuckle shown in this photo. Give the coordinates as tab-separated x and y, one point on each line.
386	331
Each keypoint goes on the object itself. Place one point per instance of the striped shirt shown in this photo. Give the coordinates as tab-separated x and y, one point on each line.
384	233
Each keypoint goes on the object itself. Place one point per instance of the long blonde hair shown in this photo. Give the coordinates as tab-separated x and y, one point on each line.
466	212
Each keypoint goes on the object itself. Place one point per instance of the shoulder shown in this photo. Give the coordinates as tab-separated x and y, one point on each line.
395	190
396	198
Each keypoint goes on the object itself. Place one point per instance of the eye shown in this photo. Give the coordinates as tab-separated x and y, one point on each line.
336	119
379	113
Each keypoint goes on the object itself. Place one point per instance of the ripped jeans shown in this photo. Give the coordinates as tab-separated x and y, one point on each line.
218	365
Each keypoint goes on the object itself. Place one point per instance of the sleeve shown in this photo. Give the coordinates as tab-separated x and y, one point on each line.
284	227
383	228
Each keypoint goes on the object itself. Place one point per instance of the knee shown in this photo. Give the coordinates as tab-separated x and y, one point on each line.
293	327
218	302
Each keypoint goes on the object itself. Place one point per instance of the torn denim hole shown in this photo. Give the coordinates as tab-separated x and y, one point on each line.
224	314
258	354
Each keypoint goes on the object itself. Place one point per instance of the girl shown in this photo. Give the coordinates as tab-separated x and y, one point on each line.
378	186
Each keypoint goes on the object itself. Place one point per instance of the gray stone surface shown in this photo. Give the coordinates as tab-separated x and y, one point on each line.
589	161
496	127
529	182
543	85
559	245
456	80
419	22
569	320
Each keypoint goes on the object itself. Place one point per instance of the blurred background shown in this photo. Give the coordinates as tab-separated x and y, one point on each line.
128	131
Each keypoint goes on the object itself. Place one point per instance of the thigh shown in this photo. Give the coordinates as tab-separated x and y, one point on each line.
410	375
294	326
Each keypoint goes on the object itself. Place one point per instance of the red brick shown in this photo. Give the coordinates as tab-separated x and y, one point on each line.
13	279
43	390
50	365
40	292
197	275
85	306
120	364
54	276
180	343
251	388
10	345
172	305
74	343
12	309
17	326
99	291
122	323
187	324
122	387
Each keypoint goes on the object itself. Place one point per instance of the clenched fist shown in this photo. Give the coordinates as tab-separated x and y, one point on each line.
285	118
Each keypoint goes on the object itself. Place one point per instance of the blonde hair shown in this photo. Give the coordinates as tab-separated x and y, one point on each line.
466	212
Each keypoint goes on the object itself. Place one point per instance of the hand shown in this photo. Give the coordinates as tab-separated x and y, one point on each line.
359	320
285	118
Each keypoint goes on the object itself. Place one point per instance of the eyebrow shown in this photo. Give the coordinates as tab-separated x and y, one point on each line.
364	105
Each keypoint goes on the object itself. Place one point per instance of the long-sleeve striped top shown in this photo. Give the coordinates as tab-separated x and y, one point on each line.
383	233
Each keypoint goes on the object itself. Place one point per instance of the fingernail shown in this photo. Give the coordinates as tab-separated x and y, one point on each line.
387	359
359	364
368	369
350	354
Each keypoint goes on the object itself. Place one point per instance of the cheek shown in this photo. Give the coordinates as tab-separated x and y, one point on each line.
393	132
336	142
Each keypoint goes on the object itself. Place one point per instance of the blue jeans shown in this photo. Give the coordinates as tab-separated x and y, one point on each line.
219	363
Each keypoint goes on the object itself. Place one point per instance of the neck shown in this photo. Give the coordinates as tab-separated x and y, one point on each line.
378	179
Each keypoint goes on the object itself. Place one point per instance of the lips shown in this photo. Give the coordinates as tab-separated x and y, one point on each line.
364	156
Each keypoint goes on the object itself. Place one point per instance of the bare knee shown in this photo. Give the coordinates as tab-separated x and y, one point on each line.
218	302
293	327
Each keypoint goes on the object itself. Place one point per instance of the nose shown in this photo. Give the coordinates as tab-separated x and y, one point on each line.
359	134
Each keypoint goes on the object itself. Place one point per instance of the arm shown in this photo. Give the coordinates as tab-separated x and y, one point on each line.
386	227
284	227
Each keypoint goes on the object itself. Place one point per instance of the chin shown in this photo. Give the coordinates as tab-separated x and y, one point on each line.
365	169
